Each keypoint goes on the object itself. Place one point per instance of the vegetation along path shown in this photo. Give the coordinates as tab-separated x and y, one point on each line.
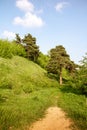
55	119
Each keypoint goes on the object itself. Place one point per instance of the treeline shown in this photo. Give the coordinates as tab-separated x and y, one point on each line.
58	64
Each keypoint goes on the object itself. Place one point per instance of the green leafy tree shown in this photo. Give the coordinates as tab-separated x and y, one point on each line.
31	48
59	59
82	75
43	60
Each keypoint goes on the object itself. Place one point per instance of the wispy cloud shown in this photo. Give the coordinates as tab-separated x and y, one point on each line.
30	19
61	5
8	34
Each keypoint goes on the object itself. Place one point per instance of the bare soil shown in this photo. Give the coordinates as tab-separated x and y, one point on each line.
55	119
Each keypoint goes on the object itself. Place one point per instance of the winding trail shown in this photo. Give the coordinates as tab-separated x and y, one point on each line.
55	119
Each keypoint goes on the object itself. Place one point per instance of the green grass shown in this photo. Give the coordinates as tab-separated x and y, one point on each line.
26	92
23	97
22	75
18	111
76	107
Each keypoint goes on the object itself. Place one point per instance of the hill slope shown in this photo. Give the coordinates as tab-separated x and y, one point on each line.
23	97
26	92
23	75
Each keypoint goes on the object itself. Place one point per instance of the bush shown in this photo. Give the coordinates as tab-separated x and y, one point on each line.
82	88
5	50
42	60
71	87
8	49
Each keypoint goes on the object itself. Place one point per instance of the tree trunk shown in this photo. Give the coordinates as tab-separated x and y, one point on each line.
61	76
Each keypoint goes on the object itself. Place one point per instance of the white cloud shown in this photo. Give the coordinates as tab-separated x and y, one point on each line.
8	34
29	20
25	5
60	6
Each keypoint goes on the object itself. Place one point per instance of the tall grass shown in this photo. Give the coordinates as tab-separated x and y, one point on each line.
76	107
19	111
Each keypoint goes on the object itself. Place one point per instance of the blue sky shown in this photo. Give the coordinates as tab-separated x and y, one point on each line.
52	22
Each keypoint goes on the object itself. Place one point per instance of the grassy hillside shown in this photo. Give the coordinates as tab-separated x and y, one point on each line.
22	92
26	92
23	75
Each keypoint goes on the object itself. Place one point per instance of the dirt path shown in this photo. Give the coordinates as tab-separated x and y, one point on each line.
55	119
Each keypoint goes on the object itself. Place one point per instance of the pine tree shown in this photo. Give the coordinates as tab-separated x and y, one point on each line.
18	39
31	48
59	59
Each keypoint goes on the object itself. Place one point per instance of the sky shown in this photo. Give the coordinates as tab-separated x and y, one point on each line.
52	22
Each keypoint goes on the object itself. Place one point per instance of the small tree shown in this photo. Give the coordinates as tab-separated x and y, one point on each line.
59	59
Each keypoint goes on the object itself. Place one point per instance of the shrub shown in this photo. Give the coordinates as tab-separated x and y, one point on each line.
42	60
5	50
82	87
8	49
